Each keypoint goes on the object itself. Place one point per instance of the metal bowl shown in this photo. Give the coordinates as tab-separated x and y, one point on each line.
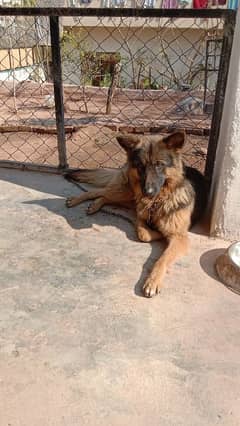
228	267
234	254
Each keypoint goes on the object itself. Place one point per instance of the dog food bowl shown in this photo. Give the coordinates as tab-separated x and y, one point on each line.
228	267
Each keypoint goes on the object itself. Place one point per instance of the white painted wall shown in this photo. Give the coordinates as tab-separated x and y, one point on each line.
225	194
181	45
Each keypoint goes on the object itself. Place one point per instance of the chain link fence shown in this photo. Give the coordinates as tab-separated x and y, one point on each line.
68	85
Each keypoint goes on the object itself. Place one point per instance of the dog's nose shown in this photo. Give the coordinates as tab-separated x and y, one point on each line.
149	191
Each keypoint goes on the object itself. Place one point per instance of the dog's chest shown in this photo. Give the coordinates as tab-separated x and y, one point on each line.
162	216
151	213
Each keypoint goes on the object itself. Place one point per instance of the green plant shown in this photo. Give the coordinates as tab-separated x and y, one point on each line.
106	80
76	51
154	85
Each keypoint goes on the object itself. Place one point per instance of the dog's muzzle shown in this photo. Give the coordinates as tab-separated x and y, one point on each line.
150	191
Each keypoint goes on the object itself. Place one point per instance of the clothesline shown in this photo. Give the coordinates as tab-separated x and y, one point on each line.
174	4
195	4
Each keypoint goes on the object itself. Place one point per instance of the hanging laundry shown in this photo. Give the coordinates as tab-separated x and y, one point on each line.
170	4
232	4
218	3
149	4
200	4
185	4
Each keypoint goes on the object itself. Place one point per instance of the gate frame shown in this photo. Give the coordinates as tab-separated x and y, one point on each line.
229	17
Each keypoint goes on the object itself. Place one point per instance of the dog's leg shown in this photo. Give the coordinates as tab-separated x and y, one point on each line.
96	205
112	194
146	234
177	247
90	195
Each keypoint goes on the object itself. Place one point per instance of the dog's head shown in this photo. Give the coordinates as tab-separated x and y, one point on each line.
154	162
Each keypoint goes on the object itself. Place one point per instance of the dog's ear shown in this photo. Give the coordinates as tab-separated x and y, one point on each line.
127	142
175	141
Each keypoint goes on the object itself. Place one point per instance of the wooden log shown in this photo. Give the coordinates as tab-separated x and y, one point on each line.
113	86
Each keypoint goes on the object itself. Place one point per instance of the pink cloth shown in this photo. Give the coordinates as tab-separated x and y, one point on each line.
170	4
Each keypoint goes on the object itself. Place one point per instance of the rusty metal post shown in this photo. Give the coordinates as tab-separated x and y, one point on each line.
58	90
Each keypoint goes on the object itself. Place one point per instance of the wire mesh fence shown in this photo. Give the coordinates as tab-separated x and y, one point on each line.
122	72
26	91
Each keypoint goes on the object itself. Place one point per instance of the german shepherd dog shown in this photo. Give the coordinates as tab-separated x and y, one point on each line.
168	197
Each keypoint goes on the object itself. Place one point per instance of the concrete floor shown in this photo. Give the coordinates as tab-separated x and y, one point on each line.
78	343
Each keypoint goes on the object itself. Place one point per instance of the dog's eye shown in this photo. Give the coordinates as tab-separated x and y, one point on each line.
136	162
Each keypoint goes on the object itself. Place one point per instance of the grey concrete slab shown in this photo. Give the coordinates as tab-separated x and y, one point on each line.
79	345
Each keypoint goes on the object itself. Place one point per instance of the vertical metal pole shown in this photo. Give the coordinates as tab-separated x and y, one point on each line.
228	32
58	90
205	76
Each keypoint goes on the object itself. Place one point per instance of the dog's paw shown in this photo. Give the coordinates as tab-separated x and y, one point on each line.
70	202
95	206
92	208
147	235
151	287
143	235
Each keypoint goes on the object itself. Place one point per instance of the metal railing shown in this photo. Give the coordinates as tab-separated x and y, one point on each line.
88	73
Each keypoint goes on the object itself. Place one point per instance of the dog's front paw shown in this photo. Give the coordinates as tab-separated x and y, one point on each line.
70	202
143	235
151	287
92	208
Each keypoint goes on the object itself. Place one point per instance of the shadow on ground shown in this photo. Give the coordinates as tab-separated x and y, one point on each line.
207	262
77	218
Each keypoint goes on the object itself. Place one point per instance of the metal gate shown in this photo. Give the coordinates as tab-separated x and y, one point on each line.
70	78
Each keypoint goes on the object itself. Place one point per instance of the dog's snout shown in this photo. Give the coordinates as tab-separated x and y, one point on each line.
149	190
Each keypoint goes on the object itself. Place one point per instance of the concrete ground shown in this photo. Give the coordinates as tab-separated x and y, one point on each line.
78	343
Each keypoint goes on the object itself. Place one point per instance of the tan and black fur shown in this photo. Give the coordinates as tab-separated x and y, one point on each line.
168	197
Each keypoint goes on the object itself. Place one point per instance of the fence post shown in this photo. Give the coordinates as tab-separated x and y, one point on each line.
58	90
228	32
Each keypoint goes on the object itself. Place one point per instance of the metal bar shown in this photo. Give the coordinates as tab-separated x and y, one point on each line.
112	12
205	76
29	167
58	90
228	32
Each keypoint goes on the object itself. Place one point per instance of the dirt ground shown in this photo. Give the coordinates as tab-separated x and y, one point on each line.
28	128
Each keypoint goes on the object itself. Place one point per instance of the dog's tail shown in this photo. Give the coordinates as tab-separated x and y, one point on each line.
97	177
